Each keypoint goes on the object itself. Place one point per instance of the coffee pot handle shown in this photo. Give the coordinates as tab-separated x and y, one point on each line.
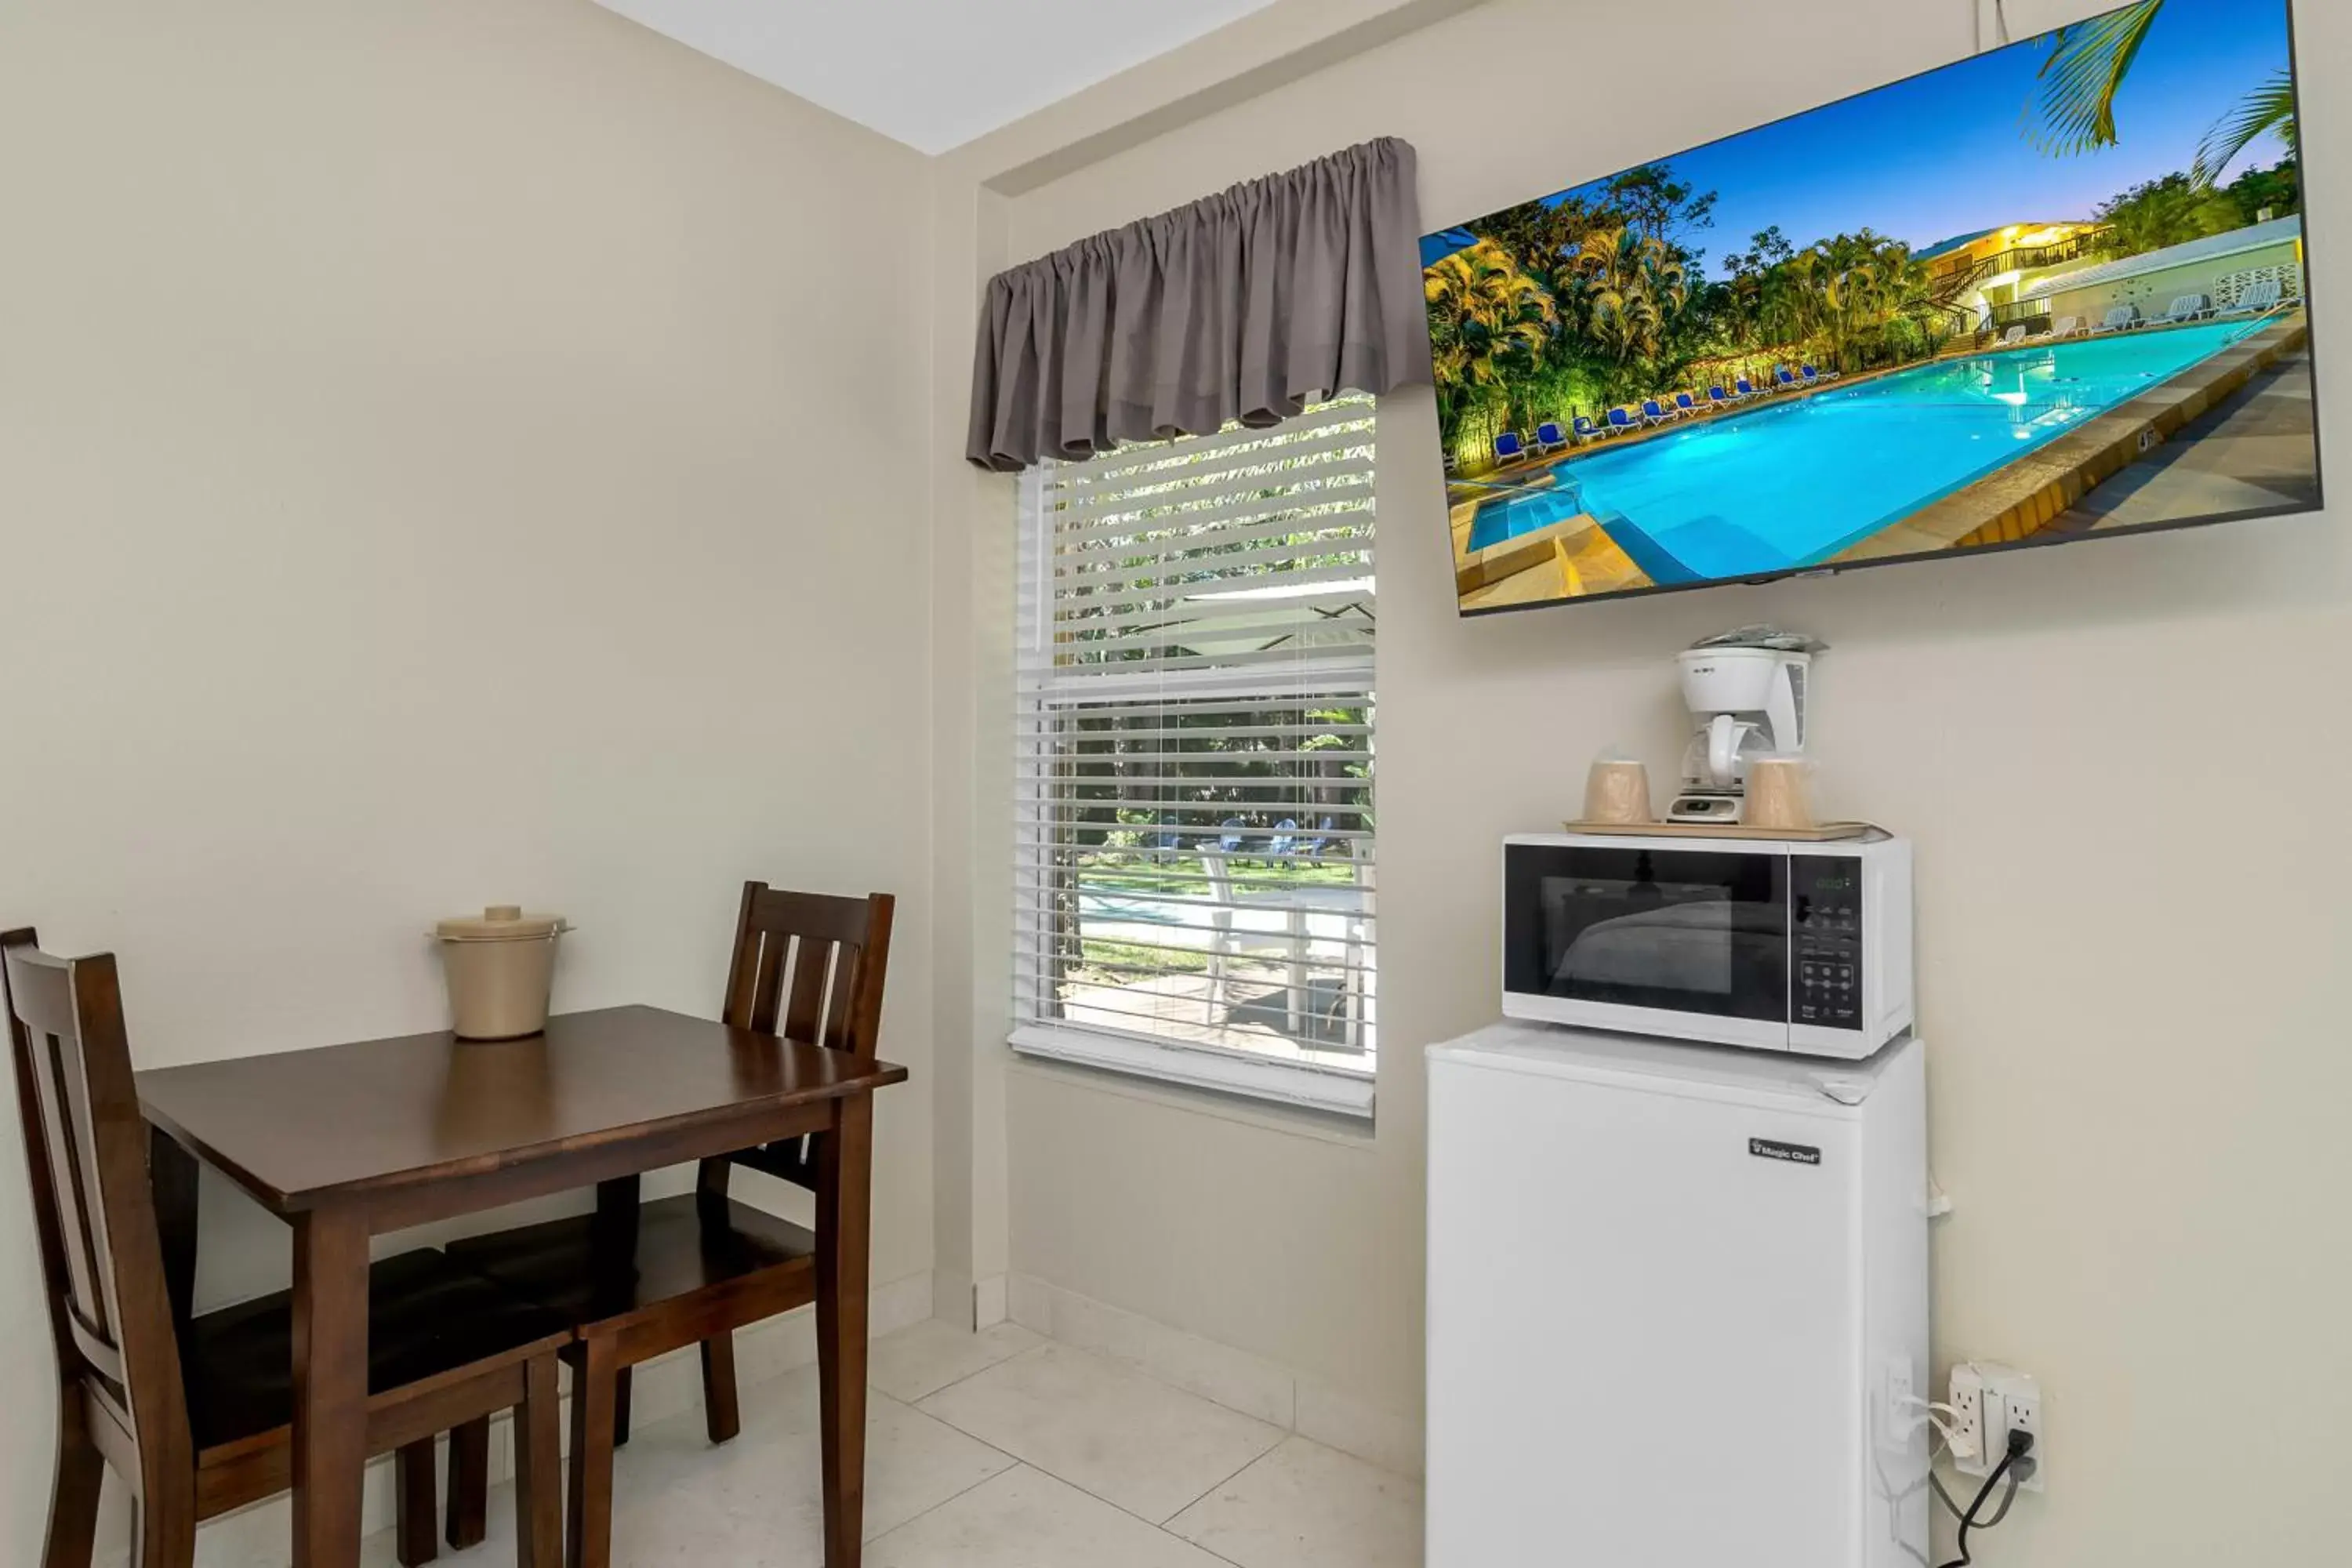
1723	750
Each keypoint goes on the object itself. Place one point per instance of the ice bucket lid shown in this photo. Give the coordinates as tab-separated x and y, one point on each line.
501	923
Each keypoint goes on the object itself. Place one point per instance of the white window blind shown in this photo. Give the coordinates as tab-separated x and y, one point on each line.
1194	822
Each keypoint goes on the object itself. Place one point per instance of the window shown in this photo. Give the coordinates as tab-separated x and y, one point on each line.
1194	812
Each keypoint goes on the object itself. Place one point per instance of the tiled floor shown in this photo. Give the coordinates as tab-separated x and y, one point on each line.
997	1450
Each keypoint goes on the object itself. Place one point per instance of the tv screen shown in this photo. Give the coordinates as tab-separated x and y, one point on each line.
2051	293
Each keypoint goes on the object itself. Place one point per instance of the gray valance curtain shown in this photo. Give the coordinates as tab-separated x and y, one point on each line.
1246	306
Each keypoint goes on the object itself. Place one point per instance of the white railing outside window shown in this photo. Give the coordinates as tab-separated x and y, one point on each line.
1195	881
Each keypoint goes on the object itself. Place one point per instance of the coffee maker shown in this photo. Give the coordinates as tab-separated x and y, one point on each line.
1746	703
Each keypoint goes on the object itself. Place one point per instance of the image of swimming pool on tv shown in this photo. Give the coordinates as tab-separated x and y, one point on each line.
2055	290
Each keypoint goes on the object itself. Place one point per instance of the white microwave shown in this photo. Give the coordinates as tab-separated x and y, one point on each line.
1772	944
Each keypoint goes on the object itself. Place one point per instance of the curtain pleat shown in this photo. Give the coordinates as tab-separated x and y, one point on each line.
1247	306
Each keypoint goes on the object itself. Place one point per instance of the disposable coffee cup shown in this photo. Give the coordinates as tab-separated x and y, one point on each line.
1617	790
1778	793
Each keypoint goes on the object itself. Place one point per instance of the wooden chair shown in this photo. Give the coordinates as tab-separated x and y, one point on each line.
638	1280
192	1412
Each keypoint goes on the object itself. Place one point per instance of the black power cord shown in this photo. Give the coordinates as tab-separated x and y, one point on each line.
2021	1446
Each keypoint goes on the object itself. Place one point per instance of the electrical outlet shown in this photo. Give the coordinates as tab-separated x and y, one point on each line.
1899	1420
1991	1401
2021	1411
1966	1400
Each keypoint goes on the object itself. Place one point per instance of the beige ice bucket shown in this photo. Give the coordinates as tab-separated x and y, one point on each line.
500	966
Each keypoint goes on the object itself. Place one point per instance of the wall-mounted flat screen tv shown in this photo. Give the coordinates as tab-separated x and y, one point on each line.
2053	292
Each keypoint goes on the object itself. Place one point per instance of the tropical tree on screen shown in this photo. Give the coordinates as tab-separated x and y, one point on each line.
1628	287
1487	320
2158	213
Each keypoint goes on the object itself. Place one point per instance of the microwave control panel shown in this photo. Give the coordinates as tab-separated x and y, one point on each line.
1825	960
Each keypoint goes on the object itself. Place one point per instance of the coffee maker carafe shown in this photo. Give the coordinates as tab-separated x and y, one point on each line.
1745	703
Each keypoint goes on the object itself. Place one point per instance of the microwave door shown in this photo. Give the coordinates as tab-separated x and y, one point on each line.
1658	931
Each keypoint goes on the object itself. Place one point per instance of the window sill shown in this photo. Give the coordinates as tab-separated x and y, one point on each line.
1336	1091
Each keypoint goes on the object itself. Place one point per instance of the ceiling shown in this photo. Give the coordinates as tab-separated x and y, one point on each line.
933	73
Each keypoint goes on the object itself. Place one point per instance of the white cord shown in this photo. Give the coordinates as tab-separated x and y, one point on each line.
1930	1415
1999	17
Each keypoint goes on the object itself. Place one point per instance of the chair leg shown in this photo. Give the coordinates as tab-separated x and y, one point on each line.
73	1501
539	1485
469	1484
588	1520
163	1536
720	1414
622	1383
414	1502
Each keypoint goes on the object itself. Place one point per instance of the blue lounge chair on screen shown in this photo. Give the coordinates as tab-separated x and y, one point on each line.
1720	398
1685	403
1620	419
1651	414
1784	377
2256	298
1815	376
1747	389
1285	839
1584	429
1548	439
1230	841
1509	449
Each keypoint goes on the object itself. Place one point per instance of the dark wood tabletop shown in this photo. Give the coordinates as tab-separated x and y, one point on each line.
347	1142
298	1127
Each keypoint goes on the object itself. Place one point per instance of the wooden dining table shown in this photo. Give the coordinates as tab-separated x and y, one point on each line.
347	1141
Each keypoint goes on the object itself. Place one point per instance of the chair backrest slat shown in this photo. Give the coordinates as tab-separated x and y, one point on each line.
821	958
86	1154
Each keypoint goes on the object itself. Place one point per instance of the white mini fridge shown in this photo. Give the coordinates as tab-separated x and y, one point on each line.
1677	1295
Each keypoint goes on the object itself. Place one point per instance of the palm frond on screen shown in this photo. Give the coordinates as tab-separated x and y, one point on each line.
2085	69
2270	107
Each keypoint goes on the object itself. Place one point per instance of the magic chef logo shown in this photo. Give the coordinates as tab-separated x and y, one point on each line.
1789	1153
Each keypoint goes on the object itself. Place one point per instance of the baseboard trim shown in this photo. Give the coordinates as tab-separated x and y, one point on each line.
1235	1378
261	1536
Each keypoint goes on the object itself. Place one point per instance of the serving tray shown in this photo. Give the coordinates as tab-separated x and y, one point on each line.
1820	835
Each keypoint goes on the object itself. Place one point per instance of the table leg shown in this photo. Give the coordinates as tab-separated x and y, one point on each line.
172	1173
845	1160
330	1341
615	1245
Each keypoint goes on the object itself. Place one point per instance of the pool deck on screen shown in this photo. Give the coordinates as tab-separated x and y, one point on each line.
2029	494
2047	489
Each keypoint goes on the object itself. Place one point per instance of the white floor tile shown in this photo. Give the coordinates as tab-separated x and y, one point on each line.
754	1502
1307	1506
1023	1519
917	1362
678	1502
1140	1445
1108	1449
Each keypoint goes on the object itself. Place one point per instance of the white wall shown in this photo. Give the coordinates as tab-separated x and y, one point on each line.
2136	1036
448	452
